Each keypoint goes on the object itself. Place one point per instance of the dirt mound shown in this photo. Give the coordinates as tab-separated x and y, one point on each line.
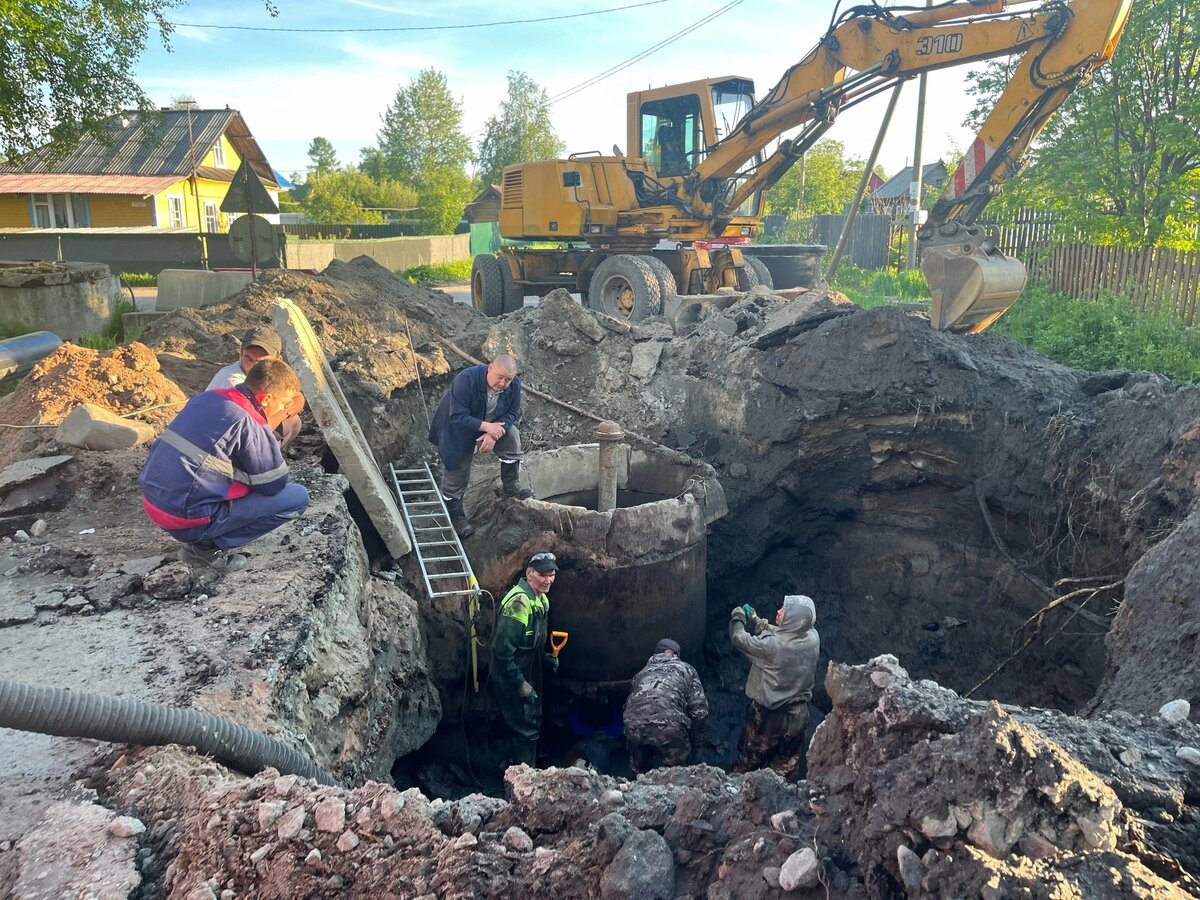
124	380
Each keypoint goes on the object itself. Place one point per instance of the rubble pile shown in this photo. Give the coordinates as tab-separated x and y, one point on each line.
121	381
934	493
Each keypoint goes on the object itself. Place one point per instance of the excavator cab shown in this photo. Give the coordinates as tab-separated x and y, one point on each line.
674	127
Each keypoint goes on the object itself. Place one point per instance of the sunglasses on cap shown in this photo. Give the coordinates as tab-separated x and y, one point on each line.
542	557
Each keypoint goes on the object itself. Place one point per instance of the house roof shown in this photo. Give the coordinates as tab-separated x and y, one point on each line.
159	143
62	183
933	174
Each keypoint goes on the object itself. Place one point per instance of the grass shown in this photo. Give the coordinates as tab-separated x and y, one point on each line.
139	279
441	273
1110	333
111	337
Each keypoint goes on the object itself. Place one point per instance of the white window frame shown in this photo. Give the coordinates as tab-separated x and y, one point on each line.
176	217
219	153
46	202
212	218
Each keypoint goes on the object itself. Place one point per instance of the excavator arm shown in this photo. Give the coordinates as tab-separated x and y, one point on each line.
869	50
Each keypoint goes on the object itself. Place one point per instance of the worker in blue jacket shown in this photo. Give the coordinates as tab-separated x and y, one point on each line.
479	413
215	479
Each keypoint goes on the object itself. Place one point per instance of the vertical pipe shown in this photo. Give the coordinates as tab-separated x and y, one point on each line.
917	185
608	435
862	186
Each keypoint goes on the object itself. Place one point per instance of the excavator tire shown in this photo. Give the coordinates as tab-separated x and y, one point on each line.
625	287
666	278
754	272
514	294
487	285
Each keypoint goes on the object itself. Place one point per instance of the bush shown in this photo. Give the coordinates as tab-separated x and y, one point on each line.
441	273
139	279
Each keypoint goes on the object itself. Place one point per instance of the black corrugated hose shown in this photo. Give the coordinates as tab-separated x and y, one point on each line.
124	721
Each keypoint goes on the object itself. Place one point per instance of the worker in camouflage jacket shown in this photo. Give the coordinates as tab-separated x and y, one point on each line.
666	713
783	664
518	655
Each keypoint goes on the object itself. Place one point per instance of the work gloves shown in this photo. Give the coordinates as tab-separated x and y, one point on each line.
552	661
748	610
526	692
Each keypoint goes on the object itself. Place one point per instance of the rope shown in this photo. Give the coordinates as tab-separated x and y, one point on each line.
416	368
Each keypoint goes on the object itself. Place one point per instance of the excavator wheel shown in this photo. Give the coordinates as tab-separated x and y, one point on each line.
754	272
666	278
487	285
625	287
514	294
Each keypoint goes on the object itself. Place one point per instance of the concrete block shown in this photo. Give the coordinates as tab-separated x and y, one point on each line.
68	299
196	287
26	470
95	428
338	425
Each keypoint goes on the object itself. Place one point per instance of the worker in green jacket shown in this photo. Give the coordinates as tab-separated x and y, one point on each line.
518	654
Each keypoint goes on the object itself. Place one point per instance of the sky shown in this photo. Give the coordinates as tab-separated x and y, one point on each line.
292	86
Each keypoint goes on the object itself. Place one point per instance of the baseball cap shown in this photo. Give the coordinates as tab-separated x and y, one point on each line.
542	561
264	337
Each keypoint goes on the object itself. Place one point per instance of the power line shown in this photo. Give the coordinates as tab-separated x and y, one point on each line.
595	12
666	42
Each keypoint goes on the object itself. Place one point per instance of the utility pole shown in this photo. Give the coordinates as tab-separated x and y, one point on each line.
916	187
189	105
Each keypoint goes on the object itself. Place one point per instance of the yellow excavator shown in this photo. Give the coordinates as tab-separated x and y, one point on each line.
631	230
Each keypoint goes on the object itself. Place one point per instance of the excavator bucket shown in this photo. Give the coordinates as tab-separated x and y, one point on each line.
970	290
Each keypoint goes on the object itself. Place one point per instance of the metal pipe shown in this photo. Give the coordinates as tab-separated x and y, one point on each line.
608	435
20	354
124	721
862	187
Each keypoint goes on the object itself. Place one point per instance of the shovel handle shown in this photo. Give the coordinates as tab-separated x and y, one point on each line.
558	640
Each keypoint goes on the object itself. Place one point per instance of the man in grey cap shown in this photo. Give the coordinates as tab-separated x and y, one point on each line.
783	663
666	713
257	344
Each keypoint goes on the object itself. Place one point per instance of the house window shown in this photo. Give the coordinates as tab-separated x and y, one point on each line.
219	154
175	212
212	222
60	211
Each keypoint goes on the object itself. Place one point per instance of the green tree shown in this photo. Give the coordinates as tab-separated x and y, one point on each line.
67	65
351	197
829	180
422	144
1121	158
323	156
520	133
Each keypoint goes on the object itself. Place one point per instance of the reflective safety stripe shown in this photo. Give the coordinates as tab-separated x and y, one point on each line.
266	477
205	460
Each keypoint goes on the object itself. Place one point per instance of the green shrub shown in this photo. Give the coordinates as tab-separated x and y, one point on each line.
98	342
441	273
139	279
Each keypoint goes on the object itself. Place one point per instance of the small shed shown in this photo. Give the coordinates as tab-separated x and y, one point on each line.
891	197
483	214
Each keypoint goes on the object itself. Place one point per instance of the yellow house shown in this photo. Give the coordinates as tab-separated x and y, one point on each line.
168	169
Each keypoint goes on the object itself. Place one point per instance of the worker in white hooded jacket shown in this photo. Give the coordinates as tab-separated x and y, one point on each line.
783	663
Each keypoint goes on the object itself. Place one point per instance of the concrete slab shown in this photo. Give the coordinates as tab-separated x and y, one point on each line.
341	430
196	287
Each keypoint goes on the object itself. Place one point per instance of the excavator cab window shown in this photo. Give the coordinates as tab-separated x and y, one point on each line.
732	99
671	134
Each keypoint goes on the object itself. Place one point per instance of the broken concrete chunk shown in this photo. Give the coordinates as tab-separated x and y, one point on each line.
348	841
643	869
330	815
1188	755
28	470
517	840
95	428
30	498
38	528
1175	711
645	360
17	613
290	823
126	826
142	565
800	870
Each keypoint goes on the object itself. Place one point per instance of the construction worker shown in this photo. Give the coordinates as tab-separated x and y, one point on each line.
257	344
518	654
215	479
479	412
666	712
783	663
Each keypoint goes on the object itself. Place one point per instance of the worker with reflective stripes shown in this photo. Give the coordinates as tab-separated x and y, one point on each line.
215	479
518	654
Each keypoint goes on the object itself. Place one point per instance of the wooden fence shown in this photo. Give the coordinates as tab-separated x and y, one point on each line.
1156	279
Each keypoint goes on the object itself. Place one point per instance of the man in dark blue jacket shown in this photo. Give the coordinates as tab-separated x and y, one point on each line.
215	479
480	411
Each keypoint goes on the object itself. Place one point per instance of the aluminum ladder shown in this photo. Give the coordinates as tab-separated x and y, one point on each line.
444	565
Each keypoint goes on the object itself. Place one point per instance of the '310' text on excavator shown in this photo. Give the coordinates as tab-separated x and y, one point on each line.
691	178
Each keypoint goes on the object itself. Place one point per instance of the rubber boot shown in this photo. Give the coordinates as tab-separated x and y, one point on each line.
458	518
510	486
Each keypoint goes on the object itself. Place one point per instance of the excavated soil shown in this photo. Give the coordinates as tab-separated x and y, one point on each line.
985	516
